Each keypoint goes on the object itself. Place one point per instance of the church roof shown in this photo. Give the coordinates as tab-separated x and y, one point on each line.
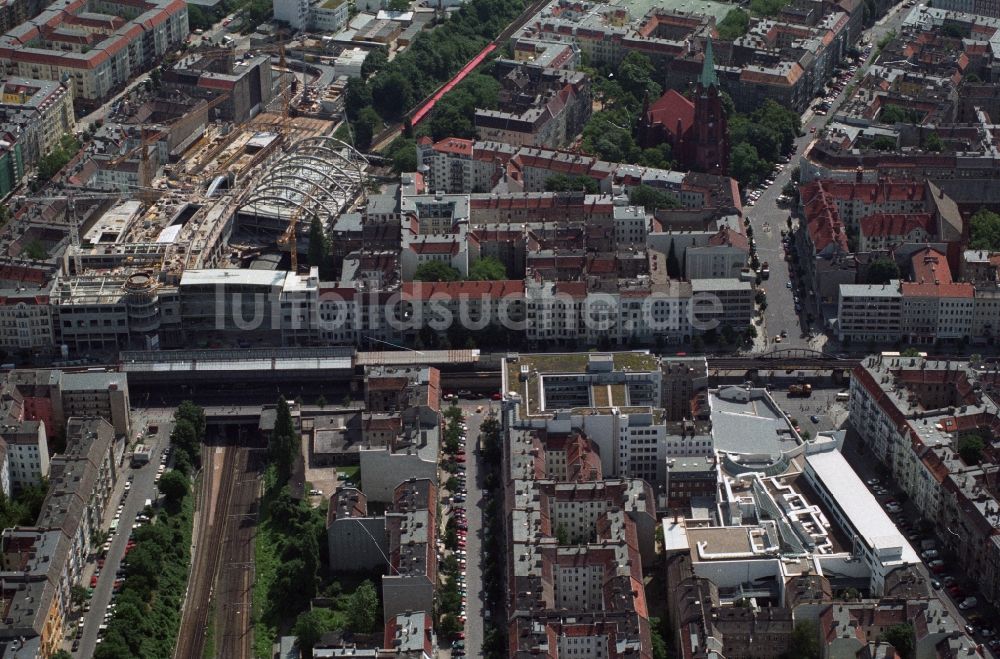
670	108
708	76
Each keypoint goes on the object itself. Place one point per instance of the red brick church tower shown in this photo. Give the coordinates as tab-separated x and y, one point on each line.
711	148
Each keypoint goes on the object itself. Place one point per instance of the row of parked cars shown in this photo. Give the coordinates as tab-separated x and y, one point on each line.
937	566
457	511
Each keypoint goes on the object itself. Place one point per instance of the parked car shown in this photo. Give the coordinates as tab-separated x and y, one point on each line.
968	603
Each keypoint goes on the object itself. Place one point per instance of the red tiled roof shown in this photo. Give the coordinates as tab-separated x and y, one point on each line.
669	109
454	145
930	266
960	289
823	220
571	288
424	290
727	236
435	248
886	225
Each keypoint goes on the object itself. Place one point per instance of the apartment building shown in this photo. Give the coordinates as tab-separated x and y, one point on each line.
910	412
575	549
247	83
411	526
43	108
26	455
613	402
40	564
26	319
96	48
465	166
883	232
929	308
357	540
97	394
723	256
719	303
870	313
538	106
321	15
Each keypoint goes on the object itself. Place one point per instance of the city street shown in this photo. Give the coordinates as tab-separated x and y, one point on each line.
768	219
867	468
143	487
473	547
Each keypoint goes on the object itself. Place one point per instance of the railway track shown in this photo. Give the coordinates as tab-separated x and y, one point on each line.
234	586
386	137
216	493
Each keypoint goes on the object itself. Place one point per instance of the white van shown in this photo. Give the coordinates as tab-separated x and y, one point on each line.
843	395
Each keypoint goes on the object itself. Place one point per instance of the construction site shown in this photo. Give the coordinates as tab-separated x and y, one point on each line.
211	171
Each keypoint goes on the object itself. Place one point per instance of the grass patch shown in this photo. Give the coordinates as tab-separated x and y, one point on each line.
350	475
209	651
635	361
266	567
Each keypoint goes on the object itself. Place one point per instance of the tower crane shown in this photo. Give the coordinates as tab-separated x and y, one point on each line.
290	237
71	218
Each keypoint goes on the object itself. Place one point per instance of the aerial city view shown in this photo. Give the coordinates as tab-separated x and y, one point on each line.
506	329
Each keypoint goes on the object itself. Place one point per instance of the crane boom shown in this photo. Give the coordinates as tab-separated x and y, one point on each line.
290	237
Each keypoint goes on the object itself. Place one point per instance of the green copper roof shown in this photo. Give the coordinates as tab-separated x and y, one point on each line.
708	76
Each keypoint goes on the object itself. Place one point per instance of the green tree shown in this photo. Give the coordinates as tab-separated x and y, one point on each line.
903	639
970	448
392	94
357	96
805	641
884	143
185	438
436	271
198	19
734	25
193	414
745	165
933	142
78	595
403	153
364	608
652	198
635	75
767	7
377	58
174	486
563	183
896	114
487	268
985	230
562	535
61	654
34	249
309	628
882	270
284	443
365	128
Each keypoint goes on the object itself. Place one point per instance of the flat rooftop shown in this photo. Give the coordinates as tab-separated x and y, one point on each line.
749	422
857	503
